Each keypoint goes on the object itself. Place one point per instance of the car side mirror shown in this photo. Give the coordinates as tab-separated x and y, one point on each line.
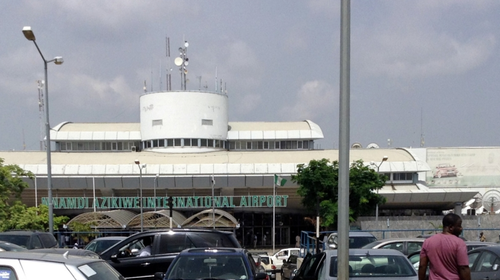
259	276
495	267
159	275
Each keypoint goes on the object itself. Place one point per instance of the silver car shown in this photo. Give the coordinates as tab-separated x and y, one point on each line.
29	265
404	245
364	264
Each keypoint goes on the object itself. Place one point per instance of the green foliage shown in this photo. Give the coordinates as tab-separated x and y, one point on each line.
31	218
318	185
13	213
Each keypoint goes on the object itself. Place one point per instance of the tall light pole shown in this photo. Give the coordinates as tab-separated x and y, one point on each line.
378	171
28	33
140	190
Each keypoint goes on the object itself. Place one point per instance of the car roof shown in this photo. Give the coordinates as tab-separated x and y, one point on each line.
356	233
371	252
22	232
204	251
111	238
495	249
391	240
71	251
60	258
481	243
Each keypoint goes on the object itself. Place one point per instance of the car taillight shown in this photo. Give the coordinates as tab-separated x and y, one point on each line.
273	266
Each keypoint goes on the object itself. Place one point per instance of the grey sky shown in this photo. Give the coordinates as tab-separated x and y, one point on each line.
424	66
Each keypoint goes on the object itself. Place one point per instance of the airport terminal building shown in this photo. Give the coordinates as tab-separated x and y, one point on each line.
184	147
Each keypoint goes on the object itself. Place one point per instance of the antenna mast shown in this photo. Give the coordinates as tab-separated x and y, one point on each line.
422	139
168	77
182	61
41	111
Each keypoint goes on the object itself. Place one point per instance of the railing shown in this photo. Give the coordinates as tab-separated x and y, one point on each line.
309	242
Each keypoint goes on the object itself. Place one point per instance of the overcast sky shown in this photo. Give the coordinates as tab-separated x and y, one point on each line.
423	67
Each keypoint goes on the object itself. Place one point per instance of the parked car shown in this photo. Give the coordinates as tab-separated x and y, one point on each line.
404	245
268	266
30	239
484	262
210	263
282	255
258	262
100	244
471	245
41	266
357	239
165	246
288	267
363	264
7	246
68	251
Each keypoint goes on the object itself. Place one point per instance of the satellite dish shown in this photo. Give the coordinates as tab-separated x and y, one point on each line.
356	146
178	61
491	201
372	146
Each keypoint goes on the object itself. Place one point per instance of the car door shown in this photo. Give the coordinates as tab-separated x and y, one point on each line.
485	265
129	264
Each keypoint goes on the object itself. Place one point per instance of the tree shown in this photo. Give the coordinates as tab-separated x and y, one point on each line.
318	187
32	218
13	213
11	188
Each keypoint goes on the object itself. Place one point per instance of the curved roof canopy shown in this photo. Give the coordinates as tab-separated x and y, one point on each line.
209	218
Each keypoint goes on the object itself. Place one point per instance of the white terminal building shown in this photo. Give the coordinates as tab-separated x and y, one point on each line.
185	147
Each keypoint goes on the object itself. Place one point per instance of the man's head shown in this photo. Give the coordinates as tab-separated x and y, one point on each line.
452	223
147	241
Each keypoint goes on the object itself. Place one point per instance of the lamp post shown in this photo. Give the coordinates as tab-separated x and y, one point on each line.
28	33
140	190
378	171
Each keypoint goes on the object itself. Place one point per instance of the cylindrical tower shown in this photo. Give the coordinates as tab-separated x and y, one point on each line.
184	121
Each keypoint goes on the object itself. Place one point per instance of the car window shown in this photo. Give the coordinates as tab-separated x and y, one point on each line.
219	266
487	262
394	245
472	258
7	273
35	242
414	247
47	240
132	248
310	267
174	243
21	240
211	239
377	265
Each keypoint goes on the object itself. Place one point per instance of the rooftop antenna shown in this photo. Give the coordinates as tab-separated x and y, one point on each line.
422	139
182	61
145	88
151	77
41	112
168	76
161	72
216	90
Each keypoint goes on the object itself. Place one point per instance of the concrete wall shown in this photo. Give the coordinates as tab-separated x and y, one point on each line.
412	226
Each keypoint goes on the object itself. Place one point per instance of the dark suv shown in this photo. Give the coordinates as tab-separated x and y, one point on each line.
214	263
128	257
30	239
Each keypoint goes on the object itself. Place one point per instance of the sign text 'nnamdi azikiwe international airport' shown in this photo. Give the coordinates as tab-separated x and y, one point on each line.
178	202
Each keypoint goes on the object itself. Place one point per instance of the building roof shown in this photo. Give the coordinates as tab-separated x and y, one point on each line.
68	131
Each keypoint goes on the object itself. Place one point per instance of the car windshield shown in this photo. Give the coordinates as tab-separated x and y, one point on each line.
208	267
99	271
375	266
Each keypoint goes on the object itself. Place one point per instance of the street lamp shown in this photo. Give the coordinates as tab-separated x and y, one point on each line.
140	190
378	171
28	33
